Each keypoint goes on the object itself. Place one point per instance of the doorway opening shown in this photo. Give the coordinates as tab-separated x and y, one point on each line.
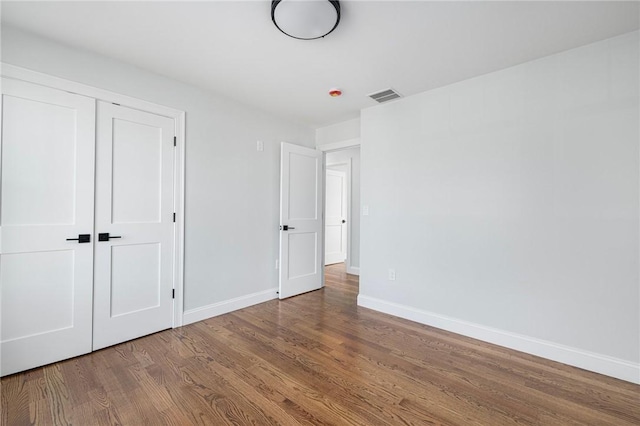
337	278
302	215
342	218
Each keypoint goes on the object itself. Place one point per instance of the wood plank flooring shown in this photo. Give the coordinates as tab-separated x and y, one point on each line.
315	359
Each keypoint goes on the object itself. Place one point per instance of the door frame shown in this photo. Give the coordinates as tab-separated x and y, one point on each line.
19	73
334	147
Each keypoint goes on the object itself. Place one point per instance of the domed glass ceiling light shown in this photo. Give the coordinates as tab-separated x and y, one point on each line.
305	19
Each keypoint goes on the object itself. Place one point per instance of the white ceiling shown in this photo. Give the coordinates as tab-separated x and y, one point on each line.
232	47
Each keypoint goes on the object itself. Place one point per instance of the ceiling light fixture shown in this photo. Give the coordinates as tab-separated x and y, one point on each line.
305	19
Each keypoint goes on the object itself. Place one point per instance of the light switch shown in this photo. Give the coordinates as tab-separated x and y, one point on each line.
260	146
365	210
392	274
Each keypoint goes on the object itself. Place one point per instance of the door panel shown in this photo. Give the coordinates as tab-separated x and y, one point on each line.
134	201
302	254
137	153
47	173
135	284
30	121
301	212
333	244
24	315
303	199
335	217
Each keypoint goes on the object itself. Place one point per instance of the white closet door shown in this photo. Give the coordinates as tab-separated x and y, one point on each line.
134	207
47	174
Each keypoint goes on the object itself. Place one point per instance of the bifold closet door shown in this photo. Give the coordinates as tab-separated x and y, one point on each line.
134	224
46	217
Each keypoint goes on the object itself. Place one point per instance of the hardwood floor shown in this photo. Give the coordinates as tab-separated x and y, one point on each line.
313	359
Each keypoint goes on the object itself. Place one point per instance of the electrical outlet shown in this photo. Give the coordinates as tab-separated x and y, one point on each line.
260	146
365	210
392	274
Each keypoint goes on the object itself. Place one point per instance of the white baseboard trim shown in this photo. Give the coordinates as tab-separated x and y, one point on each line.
215	309
603	364
353	270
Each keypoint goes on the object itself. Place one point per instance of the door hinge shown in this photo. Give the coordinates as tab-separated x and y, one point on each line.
115	103
175	141
174	217
173	293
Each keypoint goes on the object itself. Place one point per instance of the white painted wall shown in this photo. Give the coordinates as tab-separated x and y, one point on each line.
508	205
232	191
339	132
341	157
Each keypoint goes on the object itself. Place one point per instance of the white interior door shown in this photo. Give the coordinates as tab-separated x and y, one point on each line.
300	220
47	174
134	207
335	221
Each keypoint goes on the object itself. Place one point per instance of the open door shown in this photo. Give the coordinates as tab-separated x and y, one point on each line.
300	220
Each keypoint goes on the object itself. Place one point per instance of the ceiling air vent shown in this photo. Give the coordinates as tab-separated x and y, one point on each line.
384	95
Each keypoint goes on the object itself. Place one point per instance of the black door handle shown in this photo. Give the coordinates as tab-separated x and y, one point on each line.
286	227
106	237
82	238
344	221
